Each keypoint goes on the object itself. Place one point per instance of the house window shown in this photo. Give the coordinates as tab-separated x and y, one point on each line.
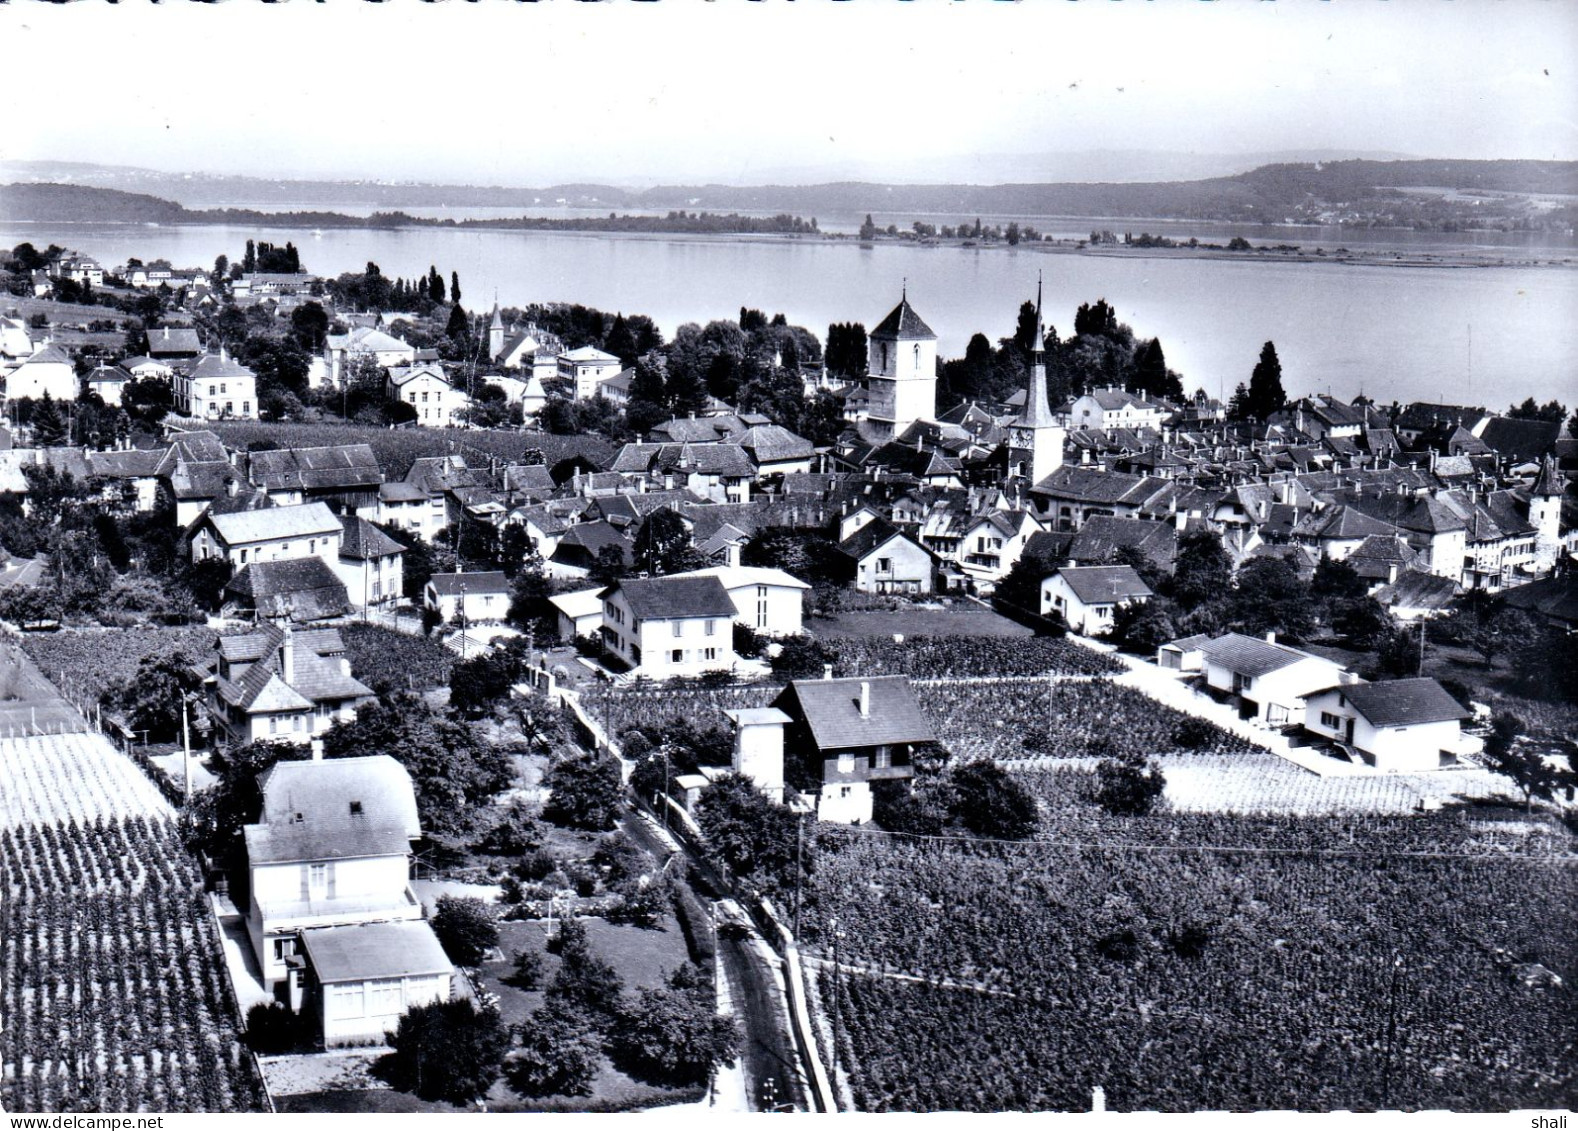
384	997
846	763
678	627
711	628
761	606
677	656
884	757
246	408
312	545
317	878
243	557
710	654
284	547
1330	721
284	948
845	791
884	565
273	724
213	390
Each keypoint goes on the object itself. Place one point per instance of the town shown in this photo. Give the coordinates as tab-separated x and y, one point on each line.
416	703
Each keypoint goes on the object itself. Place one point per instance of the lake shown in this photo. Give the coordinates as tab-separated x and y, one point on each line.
1489	335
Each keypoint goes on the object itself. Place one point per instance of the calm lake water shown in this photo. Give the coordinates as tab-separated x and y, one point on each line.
1489	335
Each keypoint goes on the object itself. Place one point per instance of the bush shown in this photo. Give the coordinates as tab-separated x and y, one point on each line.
559	1055
674	1036
466	928
1194	734
273	1028
448	1050
1128	785
519	831
990	803
586	792
528	971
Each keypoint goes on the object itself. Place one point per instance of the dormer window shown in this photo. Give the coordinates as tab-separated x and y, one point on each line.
356	808
299	819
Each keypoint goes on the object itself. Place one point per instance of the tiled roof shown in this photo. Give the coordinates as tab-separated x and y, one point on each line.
736	577
670	598
1101	536
363	540
309	811
1341	523
1403	702
342	465
770	442
1104	585
487	581
589	355
173	340
903	324
199	447
133	463
301	588
722	459
831	709
375	950
1250	656
1415	590
216	366
302	521
869	537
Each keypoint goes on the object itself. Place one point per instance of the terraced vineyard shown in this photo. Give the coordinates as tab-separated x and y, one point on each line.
1206	963
115	996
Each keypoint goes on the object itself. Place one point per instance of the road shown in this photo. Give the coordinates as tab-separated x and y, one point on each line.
773	1074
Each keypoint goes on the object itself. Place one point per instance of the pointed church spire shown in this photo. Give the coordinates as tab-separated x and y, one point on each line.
1038	412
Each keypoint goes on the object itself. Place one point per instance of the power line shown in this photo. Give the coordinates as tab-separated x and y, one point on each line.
1229	849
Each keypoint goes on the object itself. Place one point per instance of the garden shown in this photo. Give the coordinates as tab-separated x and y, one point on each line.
113	984
1185	962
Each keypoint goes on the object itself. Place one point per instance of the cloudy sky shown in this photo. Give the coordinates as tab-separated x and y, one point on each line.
504	93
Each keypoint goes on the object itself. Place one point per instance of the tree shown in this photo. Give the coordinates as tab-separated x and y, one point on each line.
1265	384
152	698
466	928
868	230
1143	626
1552	410
477	685
1271	597
1128	785
584	983
991	803
453	770
459	323
756	837
518	832
435	284
1525	764
608	566
673	1036
663	544
49	430
1238	405
586	792
1202	570
448	1050
309	323
559	1055
454	287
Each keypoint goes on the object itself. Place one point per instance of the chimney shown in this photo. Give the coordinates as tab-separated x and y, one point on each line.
231	487
287	655
827	671
1271	638
865	699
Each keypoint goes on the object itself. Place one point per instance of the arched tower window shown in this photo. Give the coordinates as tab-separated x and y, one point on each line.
917	358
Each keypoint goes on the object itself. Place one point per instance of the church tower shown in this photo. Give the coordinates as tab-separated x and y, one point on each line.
1035	439
495	335
1545	514
902	370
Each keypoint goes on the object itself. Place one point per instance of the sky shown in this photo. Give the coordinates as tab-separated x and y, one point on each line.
498	92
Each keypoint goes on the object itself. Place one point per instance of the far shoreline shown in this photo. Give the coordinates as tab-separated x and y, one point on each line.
1257	254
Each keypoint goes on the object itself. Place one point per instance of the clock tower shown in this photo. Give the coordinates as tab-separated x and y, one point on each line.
1035	439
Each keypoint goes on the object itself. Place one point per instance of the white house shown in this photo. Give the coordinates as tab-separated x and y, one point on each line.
479	597
766	601
426	388
1270	680
365	341
282	684
48	370
370	564
1113	408
107	381
586	368
272	534
580	613
332	913
670	626
1398	725
216	387
888	561
1088	597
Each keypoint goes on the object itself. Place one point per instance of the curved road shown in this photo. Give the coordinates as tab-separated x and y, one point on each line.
773	1073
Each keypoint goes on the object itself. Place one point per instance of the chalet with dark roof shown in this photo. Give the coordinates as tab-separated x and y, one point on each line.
844	734
1399	725
348	474
886	560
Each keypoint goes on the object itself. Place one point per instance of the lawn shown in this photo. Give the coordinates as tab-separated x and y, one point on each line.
643	958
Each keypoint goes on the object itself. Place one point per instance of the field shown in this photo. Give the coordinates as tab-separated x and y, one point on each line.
1207	963
62	778
93	662
962	618
398	449
386	660
940	657
115	994
1063	718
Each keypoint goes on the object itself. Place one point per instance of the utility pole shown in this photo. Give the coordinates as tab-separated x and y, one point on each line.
186	757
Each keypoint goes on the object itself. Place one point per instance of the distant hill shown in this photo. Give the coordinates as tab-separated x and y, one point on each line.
1435	194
